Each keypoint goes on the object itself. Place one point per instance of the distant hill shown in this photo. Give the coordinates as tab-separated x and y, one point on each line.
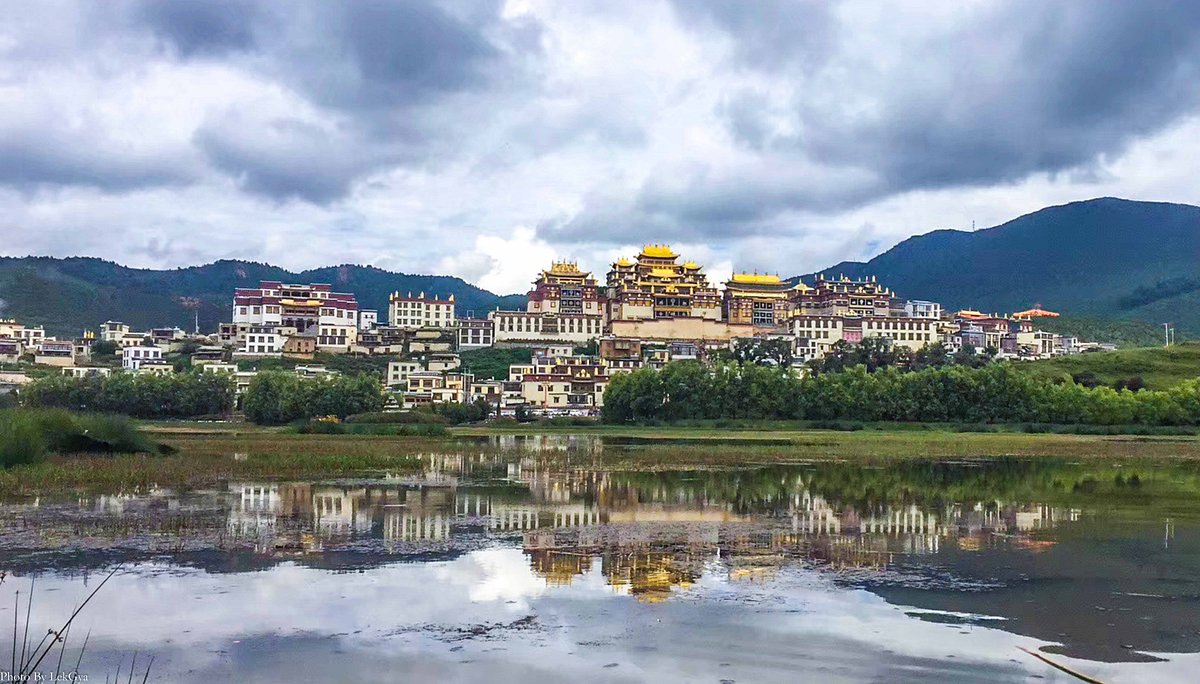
68	295
1100	259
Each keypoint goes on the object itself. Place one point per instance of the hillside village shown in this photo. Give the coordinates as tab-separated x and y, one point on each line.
651	309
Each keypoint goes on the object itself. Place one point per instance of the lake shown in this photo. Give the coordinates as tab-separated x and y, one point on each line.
553	559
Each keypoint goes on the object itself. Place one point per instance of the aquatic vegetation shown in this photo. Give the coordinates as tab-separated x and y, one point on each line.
26	435
28	657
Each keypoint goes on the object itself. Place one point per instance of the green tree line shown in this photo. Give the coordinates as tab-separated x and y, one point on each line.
996	393
277	397
141	395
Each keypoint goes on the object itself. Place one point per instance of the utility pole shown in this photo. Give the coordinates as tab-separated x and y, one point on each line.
1166	334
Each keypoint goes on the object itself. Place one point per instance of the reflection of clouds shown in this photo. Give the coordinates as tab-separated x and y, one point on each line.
799	619
494	575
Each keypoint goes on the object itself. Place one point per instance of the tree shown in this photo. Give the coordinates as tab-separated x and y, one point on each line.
763	351
105	348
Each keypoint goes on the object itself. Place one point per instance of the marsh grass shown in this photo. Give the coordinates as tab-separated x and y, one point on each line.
203	460
27	435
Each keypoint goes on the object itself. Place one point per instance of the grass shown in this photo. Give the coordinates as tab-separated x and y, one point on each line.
208	455
1161	368
493	362
26	435
205	459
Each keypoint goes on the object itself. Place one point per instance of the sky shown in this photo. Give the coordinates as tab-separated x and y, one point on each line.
483	139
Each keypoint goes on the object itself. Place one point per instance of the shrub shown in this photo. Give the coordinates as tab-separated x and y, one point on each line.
20	439
397	417
27	434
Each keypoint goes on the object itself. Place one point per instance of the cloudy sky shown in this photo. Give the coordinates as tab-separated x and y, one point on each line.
483	138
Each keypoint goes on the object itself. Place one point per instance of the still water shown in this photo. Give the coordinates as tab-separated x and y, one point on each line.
553	561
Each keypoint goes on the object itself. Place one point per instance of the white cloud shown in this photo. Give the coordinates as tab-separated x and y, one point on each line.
550	130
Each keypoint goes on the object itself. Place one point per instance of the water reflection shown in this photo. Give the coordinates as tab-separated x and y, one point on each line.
1102	559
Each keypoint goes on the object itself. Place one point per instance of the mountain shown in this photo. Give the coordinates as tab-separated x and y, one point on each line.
1097	259
68	295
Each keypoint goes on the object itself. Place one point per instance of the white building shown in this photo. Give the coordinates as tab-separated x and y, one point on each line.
264	341
133	358
920	308
409	312
367	319
113	331
311	310
87	371
535	328
476	333
398	372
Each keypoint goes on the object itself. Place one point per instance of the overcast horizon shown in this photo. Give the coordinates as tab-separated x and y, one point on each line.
483	139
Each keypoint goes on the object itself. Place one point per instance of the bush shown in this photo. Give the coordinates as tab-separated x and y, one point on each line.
20	439
397	417
322	427
28	434
456	413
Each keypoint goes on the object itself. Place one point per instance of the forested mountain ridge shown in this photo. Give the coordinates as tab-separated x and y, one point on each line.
68	295
1105	258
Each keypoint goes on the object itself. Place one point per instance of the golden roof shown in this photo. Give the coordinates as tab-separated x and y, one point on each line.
565	268
624	262
692	266
1034	313
662	273
658	251
756	278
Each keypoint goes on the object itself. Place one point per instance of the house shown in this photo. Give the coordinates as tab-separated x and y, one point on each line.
87	371
156	368
133	358
442	362
398	372
476	333
208	355
11	350
52	352
113	331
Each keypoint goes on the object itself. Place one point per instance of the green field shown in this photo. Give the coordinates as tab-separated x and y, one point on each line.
1160	368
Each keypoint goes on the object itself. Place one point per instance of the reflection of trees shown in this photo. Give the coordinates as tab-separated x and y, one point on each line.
930	484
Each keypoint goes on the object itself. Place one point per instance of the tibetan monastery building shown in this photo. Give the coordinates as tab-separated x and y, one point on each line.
759	300
564	306
656	285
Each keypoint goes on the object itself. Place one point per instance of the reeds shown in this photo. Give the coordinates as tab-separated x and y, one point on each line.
27	659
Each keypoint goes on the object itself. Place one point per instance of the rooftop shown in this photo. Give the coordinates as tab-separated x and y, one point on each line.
658	251
756	278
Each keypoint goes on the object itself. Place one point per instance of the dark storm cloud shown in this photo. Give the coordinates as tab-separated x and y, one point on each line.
378	75
1024	88
1040	87
768	33
201	27
35	158
1030	87
286	158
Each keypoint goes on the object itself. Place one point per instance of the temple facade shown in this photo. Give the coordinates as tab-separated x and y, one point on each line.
844	297
655	285
564	289
310	310
757	299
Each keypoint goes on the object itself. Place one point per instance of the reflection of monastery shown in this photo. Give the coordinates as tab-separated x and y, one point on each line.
645	536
